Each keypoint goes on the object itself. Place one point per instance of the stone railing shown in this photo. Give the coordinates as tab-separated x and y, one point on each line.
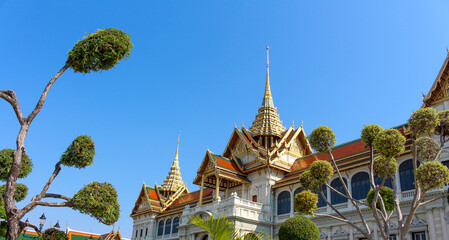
406	195
233	206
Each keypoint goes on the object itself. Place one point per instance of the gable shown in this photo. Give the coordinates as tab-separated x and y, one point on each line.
439	91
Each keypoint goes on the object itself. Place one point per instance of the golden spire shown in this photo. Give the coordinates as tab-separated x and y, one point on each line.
174	180
267	121
267	98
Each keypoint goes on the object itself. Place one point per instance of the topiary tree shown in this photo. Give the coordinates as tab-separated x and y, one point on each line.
98	51
389	143
53	234
299	228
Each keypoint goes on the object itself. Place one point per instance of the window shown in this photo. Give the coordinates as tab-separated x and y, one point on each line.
378	181
321	202
360	185
392	237
254	198
141	231
205	238
175	225
419	236
168	226
146	232
137	232
446	163
160	228
298	190
284	202
406	175
335	198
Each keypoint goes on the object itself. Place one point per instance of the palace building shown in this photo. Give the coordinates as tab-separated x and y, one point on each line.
254	181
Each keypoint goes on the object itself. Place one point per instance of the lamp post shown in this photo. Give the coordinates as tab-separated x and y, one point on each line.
42	222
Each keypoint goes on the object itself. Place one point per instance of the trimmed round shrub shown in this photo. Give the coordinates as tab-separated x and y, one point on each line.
384	167
308	182
80	153
390	143
54	234
6	159
443	127
369	133
432	175
321	171
322	139
387	196
299	228
21	192
423	121
426	148
306	202
99	200
101	50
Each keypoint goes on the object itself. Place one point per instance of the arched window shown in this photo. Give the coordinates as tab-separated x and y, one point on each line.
160	228
335	197
175	225
298	190
378	181
321	202
360	185
168	226
206	237
406	175
284	202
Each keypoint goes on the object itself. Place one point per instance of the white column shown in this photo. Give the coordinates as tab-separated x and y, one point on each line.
329	233
375	231
351	233
292	203
431	225
443	224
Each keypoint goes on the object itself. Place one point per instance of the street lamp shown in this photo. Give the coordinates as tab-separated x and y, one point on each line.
57	225
42	221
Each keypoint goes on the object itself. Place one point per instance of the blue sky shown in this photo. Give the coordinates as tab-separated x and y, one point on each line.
199	67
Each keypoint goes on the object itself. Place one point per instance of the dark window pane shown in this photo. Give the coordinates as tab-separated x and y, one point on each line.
378	181
160	228
360	185
175	225
284	202
168	227
335	197
406	175
298	190
321	202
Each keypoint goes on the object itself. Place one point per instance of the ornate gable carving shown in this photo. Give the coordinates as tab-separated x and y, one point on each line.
340	232
418	222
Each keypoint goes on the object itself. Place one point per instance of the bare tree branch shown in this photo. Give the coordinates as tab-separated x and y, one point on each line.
346	196
41	101
11	98
433	199
60	196
52	204
23	225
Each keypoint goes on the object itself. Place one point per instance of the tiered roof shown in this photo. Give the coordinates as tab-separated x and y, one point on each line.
173	182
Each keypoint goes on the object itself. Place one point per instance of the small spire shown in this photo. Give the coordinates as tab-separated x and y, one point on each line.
177	149
267	98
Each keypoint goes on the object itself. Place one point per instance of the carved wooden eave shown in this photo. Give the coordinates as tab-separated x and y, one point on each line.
181	190
235	137
439	90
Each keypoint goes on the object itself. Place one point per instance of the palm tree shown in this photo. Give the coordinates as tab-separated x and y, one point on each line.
221	229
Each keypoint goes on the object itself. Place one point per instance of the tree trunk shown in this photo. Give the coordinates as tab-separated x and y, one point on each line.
13	229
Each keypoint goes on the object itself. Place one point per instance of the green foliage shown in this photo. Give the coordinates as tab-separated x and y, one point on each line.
3	229
322	139
390	143
2	209
101	50
387	196
308	182
53	234
299	228
369	133
426	148
384	166
306	202
99	200
443	127
321	171
21	192
432	175
221	229
6	159
80	153
423	121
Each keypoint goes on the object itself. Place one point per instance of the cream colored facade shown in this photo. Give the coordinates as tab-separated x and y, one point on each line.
263	162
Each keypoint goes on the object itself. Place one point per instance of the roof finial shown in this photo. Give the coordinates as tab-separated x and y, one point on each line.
177	148
267	98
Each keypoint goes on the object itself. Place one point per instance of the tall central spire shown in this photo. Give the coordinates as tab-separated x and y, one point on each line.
174	180
267	121
267	98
